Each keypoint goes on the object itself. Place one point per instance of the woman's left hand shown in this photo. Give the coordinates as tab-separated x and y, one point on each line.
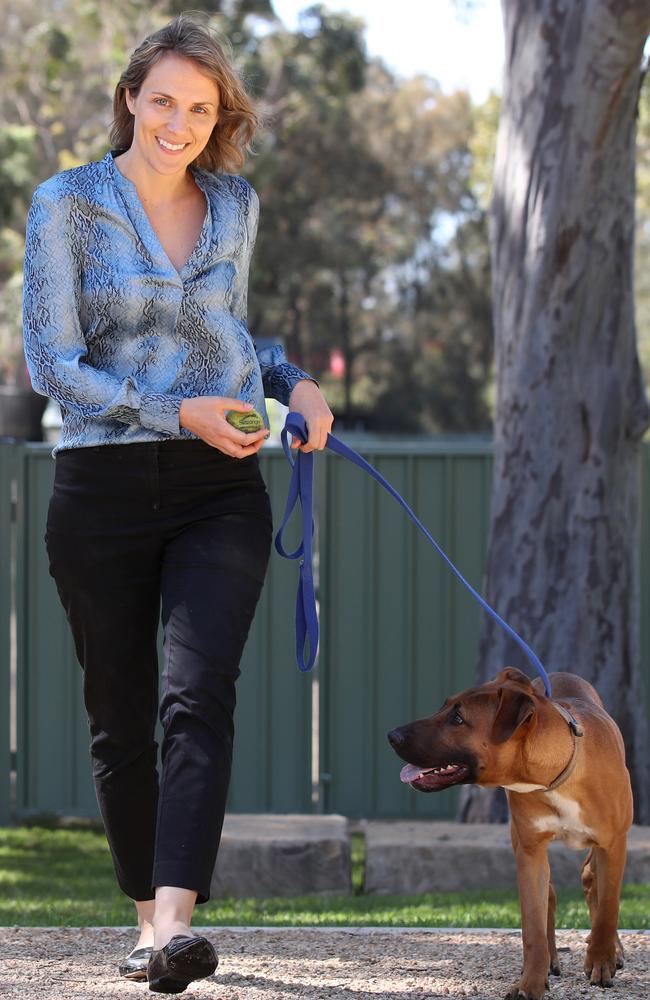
307	399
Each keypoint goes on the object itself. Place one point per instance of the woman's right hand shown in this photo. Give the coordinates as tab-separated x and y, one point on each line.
205	417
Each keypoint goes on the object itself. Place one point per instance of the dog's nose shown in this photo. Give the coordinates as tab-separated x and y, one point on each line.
396	738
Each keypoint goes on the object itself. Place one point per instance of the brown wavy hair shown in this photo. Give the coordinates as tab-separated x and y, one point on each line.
238	117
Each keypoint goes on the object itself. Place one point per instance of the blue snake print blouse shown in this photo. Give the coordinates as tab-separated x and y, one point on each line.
119	337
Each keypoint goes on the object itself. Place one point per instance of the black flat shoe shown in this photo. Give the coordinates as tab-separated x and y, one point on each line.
134	966
182	960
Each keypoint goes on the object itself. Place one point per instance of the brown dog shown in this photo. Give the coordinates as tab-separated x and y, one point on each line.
562	762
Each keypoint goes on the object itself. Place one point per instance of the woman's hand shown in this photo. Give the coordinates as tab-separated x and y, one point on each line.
205	417
307	399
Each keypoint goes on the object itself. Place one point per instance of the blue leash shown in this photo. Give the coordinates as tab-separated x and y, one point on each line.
301	490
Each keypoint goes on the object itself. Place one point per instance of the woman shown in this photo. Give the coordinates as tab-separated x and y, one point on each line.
136	272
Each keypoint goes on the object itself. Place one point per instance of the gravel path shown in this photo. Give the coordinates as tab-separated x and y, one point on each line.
67	963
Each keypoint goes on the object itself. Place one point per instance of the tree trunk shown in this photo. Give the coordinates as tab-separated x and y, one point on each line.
571	407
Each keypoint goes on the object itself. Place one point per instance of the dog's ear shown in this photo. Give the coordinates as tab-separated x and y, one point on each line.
515	709
513	674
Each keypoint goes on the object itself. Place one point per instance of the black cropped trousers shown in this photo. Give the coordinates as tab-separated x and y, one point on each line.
136	531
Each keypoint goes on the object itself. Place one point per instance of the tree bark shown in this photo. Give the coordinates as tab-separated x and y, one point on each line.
571	407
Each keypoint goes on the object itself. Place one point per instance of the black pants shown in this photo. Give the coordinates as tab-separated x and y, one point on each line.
129	526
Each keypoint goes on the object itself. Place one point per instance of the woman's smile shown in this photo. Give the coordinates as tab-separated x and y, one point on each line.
170	147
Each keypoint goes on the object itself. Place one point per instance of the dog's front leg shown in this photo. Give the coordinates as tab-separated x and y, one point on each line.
533	877
602	951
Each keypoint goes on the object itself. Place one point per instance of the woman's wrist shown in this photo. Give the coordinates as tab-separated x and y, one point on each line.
185	413
300	386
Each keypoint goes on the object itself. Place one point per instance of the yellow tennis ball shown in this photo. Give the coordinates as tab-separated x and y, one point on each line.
248	422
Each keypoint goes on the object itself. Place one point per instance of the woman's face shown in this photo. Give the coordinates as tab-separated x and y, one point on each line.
175	111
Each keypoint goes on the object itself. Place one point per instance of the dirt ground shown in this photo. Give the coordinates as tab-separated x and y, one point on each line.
305	964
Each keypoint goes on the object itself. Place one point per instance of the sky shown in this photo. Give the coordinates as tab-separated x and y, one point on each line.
427	36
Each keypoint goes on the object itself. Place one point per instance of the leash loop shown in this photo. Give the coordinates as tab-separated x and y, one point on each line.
301	491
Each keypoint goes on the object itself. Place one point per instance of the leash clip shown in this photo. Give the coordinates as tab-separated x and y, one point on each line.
575	726
570	719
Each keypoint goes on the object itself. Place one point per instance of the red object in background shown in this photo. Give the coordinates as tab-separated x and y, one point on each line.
337	363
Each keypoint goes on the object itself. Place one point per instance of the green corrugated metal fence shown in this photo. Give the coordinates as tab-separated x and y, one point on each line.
7	458
398	634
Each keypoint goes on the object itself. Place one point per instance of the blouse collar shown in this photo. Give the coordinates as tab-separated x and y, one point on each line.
144	228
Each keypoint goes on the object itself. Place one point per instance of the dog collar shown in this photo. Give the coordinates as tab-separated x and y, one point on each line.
576	732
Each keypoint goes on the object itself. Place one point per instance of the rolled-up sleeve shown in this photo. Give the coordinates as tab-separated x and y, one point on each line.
279	376
54	342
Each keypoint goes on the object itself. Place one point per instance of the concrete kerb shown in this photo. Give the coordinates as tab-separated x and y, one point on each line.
289	855
422	856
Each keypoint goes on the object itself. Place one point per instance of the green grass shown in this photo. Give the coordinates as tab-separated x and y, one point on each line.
65	877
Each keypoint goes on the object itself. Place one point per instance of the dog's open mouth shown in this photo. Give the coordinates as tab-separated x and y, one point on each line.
433	779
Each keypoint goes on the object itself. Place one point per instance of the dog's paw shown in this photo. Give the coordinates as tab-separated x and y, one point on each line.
600	968
524	990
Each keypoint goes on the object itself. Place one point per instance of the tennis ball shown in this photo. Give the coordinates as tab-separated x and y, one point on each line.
248	422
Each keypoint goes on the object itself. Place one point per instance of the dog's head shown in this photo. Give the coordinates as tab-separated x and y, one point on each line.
475	738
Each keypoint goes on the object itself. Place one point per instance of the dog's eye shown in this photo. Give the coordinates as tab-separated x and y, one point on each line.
457	719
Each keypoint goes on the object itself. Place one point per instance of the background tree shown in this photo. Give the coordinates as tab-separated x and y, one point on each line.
571	407
642	249
371	243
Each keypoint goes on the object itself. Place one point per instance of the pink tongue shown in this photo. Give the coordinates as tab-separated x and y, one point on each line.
410	772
